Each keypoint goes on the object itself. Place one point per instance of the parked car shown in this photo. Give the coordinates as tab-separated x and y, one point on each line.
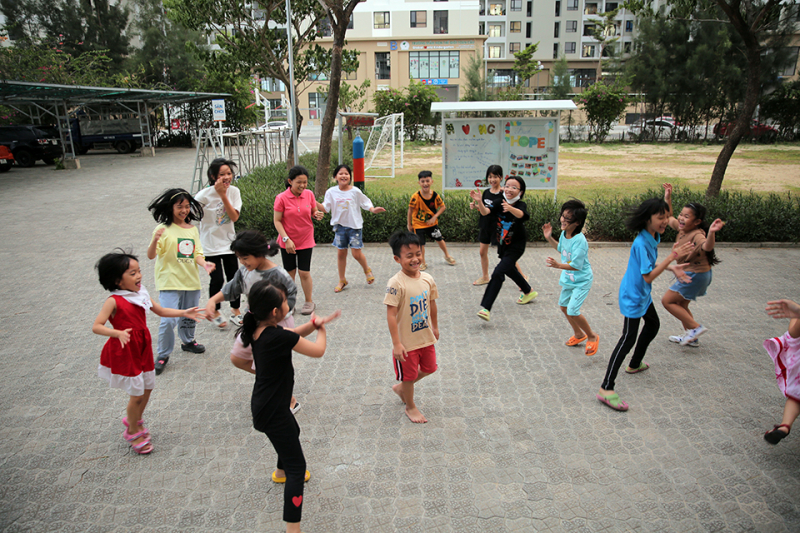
31	143
6	159
758	132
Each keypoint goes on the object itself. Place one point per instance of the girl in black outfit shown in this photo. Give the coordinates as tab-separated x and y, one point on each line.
509	216
272	392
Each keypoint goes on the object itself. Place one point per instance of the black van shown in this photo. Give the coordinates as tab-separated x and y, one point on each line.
31	143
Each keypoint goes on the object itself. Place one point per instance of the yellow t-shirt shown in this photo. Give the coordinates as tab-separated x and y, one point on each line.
412	297
176	252
421	213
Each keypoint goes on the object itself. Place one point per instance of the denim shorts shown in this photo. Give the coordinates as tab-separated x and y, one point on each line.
345	237
696	287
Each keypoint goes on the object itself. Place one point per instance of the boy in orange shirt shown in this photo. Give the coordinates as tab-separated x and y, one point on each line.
424	210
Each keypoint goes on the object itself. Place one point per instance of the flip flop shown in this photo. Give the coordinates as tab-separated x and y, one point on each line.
450	260
591	347
480	281
642	368
613	402
484	314
276	479
573	341
775	435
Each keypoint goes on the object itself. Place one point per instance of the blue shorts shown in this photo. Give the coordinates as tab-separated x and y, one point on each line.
696	287
572	298
345	237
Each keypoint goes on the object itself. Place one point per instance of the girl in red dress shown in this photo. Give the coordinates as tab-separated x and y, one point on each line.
126	361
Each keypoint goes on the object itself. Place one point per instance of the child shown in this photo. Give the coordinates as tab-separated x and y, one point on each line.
412	316
222	204
691	227
487	234
576	278
649	220
272	347
508	218
424	211
252	249
126	361
345	203
785	353
176	243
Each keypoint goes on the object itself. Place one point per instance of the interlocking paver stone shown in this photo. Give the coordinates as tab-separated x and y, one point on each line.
516	440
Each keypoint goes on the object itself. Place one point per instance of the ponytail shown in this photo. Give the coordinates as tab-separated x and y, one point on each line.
263	299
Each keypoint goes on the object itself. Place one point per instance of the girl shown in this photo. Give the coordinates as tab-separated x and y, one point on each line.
293	212
508	218
272	347
691	227
649	220
576	278
126	361
785	353
252	249
222	204
176	244
486	233
344	203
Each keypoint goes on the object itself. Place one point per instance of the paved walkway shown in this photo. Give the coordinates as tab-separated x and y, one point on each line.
516	440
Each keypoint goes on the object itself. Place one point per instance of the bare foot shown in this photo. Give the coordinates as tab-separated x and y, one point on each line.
415	416
398	389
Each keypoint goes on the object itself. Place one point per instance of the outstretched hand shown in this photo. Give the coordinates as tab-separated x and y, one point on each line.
552	263
680	274
321	321
684	249
210	267
194	313
318	214
475	194
667	190
783	309
547	229
378	210
717	225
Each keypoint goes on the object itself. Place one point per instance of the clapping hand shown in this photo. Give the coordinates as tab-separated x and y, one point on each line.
547	229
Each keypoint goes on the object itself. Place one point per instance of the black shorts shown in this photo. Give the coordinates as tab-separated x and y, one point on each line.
487	236
301	260
432	233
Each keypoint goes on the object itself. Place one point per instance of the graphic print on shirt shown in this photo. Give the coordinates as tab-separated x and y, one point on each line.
419	312
185	248
220	214
343	204
566	258
504	230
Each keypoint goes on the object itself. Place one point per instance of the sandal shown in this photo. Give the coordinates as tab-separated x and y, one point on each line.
141	423
484	314
450	260
342	284
574	341
370	277
591	347
219	322
641	368
775	435
527	298
144	447
480	281
277	479
613	401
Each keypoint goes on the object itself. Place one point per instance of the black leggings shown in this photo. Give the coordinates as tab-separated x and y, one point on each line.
230	265
286	441
629	331
506	267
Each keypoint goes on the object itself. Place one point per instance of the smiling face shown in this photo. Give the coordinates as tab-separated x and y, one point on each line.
657	223
299	184
566	222
180	210
425	184
343	178
687	221
494	181
131	279
512	188
410	258
250	262
225	176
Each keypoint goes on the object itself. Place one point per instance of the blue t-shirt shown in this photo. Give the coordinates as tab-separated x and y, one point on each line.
575	253
634	291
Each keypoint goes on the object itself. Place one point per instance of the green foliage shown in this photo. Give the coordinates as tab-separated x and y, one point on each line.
351	97
414	102
475	88
524	64
43	64
561	85
603	105
783	106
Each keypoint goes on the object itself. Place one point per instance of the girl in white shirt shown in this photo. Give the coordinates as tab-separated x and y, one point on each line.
344	202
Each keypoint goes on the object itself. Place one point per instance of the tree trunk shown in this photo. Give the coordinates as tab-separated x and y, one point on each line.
742	124
298	118
331	108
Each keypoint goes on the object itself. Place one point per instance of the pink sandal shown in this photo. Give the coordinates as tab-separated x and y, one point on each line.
141	423
144	447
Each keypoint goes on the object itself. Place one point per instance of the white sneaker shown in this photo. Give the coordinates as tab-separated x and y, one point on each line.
295	408
692	334
678	338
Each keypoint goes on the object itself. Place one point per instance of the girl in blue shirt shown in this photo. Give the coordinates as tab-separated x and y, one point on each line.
650	220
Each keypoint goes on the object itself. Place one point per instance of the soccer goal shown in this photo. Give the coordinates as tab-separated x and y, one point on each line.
383	151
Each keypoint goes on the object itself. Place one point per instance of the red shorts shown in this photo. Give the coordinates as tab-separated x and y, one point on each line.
423	359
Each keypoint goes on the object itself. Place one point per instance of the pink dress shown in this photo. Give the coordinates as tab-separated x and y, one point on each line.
785	353
131	367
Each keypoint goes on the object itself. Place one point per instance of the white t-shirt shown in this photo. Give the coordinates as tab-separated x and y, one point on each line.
345	206
216	229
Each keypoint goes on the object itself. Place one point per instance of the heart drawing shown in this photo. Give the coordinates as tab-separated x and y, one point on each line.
549	168
297	501
465	127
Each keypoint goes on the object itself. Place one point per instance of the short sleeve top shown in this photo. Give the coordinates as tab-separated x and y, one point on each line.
345	206
176	252
422	210
216	227
634	291
697	258
489	199
412	297
272	391
575	253
296	218
511	234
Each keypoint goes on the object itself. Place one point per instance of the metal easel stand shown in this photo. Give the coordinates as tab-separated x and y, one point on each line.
206	138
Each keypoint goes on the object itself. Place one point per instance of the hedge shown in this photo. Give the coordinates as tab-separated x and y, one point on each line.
750	217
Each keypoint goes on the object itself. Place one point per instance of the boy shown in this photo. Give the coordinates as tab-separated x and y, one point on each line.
424	210
412	317
576	278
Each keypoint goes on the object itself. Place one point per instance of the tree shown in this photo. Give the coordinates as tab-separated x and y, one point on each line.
603	105
351	99
605	33
415	104
524	65
475	88
783	106
560	84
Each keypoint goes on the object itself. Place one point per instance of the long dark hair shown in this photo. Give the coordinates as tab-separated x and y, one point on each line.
161	207
253	242
699	211
215	166
263	299
639	216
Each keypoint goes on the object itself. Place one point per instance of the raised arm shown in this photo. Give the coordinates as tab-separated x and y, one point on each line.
547	230
673	222
711	238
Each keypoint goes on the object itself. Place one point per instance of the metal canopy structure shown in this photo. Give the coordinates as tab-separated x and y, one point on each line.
521	105
56	100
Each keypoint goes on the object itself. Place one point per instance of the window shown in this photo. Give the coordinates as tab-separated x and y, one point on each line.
440	22
569	48
383	70
584	77
495	30
527	30
588	30
590	9
350	24
381	20
317	76
502	77
790	69
628	48
272	85
572	5
496	9
516	26
628	26
555	50
513	48
495	51
481	28
556	29
423	65
611	6
572	26
419	19
529	9
516	5
317	103
588	50
558	8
